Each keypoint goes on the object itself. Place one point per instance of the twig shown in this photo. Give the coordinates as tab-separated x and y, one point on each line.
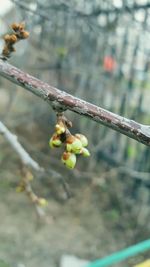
35	12
26	160
29	162
24	155
115	10
62	101
99	11
143	176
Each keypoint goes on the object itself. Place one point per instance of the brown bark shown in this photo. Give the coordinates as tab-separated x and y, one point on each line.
60	100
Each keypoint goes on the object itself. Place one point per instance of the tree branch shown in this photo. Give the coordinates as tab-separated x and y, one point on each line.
35	12
60	100
25	157
115	10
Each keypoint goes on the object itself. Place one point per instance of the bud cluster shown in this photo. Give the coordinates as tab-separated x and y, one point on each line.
18	34
74	144
25	186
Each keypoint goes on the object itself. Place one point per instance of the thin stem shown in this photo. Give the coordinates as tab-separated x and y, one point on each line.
23	154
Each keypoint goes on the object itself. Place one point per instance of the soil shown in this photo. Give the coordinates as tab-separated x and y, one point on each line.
79	226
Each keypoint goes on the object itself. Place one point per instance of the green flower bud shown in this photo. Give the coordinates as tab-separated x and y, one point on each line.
20	188
73	144
83	139
60	128
55	141
68	147
85	152
42	202
76	146
69	159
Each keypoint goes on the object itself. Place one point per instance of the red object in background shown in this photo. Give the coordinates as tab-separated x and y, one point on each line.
109	64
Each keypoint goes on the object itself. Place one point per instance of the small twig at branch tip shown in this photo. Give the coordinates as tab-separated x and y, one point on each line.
18	34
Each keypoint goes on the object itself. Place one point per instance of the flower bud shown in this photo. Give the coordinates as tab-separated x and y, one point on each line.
69	159
12	39
85	152
21	26
24	34
20	188
42	202
15	26
73	144
55	141
7	38
83	139
68	147
60	128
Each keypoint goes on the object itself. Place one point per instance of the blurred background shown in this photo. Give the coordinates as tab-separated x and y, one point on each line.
99	51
